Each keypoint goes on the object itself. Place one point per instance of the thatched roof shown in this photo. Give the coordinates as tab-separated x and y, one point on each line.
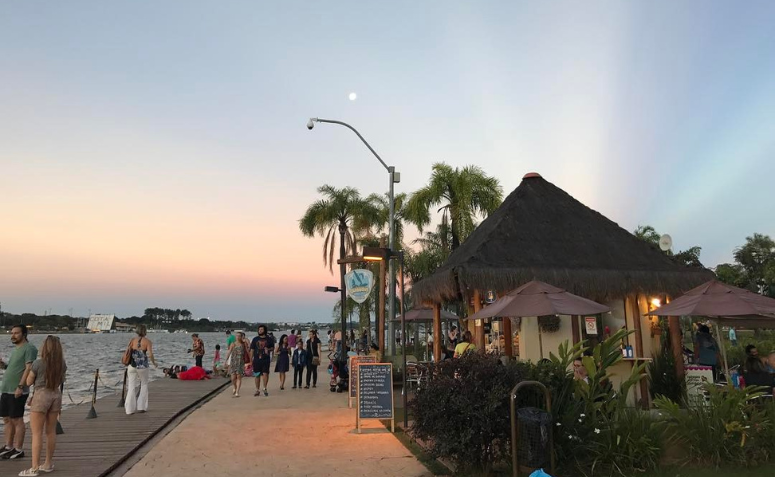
541	232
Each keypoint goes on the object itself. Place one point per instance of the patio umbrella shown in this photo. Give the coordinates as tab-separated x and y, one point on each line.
724	304
537	298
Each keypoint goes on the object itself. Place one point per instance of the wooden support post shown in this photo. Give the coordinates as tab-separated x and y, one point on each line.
508	338
381	312
574	323
636	318
677	343
438	338
479	339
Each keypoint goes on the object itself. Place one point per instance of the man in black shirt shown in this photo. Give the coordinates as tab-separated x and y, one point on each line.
260	354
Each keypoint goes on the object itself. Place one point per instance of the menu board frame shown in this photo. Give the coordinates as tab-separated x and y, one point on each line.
392	418
352	385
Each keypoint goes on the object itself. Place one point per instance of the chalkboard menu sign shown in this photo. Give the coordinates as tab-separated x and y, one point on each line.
353	382
375	392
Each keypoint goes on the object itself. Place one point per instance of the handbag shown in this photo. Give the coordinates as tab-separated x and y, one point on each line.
316	361
126	359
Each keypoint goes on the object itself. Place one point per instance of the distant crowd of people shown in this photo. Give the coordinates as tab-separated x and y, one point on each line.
35	379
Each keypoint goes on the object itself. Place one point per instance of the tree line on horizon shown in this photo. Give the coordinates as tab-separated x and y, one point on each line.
463	197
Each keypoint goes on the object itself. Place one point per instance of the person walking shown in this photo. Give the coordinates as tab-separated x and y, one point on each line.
732	336
314	351
47	375
217	359
260	355
138	372
15	392
283	353
236	355
299	362
197	348
292	340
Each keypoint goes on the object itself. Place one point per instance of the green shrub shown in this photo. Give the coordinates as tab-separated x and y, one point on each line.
463	412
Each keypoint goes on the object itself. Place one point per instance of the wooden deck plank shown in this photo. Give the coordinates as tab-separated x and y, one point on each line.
93	447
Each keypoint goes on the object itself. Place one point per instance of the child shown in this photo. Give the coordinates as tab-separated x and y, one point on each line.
299	362
217	360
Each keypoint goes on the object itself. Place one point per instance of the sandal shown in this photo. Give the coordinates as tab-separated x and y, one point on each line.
45	470
29	473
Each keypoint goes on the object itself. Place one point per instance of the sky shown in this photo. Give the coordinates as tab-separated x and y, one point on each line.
155	153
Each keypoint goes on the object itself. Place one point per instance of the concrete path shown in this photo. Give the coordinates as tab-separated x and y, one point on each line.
295	432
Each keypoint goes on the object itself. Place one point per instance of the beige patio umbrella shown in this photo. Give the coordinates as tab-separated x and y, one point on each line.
537	298
725	305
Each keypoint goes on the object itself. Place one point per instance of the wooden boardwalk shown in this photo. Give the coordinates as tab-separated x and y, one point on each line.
95	447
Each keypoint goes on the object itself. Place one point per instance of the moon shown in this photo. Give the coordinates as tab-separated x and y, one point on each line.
352	96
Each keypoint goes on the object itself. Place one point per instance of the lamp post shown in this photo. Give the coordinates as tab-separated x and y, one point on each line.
343	294
378	254
395	178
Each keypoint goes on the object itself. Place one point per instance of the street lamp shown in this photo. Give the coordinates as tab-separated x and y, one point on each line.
377	254
395	178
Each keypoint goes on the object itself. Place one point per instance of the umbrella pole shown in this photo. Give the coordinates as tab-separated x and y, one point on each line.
723	352
540	342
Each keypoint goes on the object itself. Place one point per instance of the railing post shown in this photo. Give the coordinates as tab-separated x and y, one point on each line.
93	412
122	401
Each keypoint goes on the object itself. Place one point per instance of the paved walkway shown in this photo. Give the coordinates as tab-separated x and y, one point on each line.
295	432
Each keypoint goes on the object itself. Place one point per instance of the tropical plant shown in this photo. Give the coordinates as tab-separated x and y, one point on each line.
341	211
460	195
725	430
663	379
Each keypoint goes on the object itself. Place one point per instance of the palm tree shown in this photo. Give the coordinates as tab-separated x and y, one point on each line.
382	203
341	211
647	234
460	195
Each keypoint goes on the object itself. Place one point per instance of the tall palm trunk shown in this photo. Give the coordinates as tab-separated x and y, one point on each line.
342	271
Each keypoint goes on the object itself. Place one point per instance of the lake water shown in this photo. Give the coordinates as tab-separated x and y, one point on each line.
84	353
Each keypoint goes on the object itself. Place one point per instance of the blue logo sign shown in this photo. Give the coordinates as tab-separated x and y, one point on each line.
359	284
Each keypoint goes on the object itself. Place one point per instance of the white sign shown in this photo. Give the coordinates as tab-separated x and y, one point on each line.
100	322
359	284
697	376
591	323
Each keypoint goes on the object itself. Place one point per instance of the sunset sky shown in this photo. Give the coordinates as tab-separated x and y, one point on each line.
155	153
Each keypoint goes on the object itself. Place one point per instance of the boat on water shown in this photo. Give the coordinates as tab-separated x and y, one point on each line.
158	331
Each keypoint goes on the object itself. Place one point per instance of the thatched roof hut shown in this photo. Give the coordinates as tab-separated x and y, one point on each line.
541	232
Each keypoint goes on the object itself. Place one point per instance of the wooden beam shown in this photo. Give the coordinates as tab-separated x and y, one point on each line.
636	318
574	322
479	339
676	341
508	338
438	338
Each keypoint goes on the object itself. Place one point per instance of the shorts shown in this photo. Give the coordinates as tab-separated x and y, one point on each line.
46	400
261	366
12	406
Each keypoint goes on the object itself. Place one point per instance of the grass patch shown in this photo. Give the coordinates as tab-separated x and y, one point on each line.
763	471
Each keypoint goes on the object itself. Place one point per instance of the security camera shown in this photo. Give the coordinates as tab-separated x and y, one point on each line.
310	124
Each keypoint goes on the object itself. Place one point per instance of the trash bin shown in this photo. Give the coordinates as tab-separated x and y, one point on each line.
534	428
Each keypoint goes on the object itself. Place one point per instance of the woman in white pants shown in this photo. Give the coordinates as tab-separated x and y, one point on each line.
137	372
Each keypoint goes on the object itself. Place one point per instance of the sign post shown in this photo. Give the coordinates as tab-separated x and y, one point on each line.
375	394
355	361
